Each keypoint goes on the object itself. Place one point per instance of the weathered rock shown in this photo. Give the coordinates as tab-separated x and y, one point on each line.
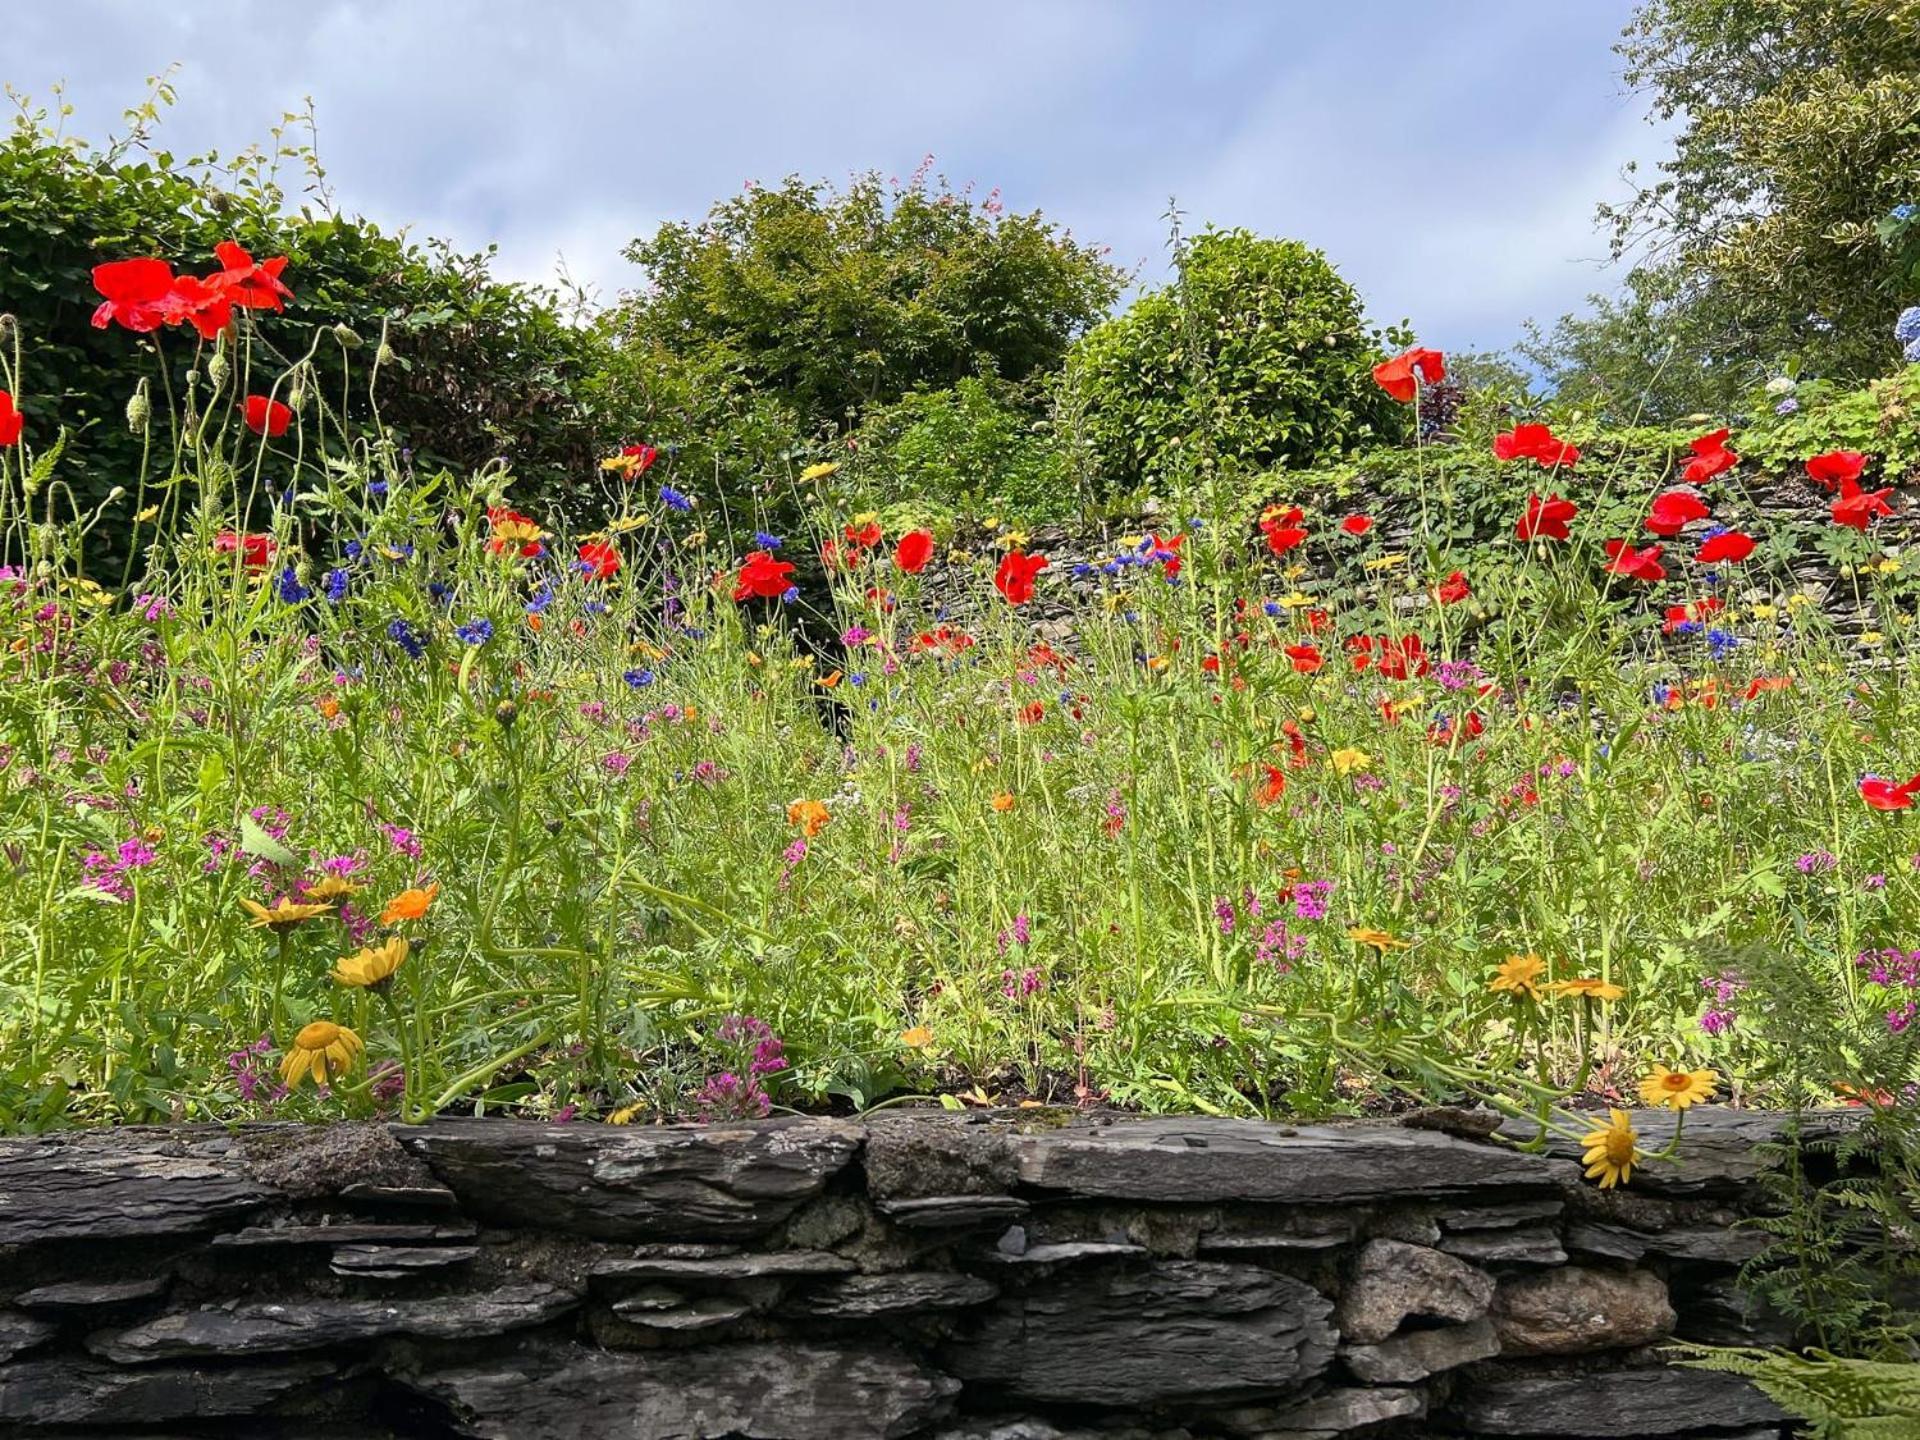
953	1212
1214	1332
70	1391
393	1262
309	1160
1393	1281
1180	1161
20	1333
1500	1217
938	1157
1530	1245
1573	1310
1630	1406
1061	1253
1721	1151
676	1181
354	1233
79	1296
81	1185
1719	1312
790	1391
258	1328
724	1269
1411	1357
1708	1244
399	1197
909	1292
700	1312
1342	1412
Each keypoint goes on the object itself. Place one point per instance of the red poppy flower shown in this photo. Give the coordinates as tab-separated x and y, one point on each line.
1032	713
256	552
1453	589
1537	443
1315	619
1296	741
1729	546
946	638
599	560
1623	559
1357	524
1710	458
1767	684
1307	659
866	536
11	421
1396	376
635	460
1282	528
1167	552
1857	507
763	576
1834	467
256	287
1672	509
1885	795
267	417
136	293
913	552
1273	784
1546	518
200	304
1014	578
1441	731
1392	658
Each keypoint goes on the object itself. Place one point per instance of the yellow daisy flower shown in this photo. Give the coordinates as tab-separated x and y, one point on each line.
1611	1152
320	1049
1381	940
1588	987
283	916
1346	760
332	887
820	471
373	965
1519	976
1677	1089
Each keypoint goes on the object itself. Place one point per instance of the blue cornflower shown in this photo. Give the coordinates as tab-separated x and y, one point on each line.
1196	524
1082	570
674	500
693	632
1112	567
1274	608
596	607
638	679
355	550
856	679
336	586
1688	627
476	632
402	634
376	487
1661	694
1720	643
540	600
1904	212
292	592
790	594
765	541
440	591
1146	544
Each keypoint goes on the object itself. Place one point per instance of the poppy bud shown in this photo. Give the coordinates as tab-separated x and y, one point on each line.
217	369
348	337
384	355
296	397
139	409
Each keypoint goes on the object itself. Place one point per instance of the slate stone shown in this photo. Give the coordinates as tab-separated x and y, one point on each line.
262	1328
953	1212
1064	1252
1499	1217
1574	1310
938	1157
79	1296
402	1197
20	1333
1611	1406
1393	1281
1411	1357
724	1269
1175	1332
1705	1244
904	1292
119	1185
1719	1312
1176	1160
351	1233
788	1391
1530	1245
701	1312
691	1182
1272	1242
394	1262
71	1391
1342	1412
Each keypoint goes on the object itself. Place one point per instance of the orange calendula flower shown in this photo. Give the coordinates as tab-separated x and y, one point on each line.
320	1050
918	1038
1003	802
1379	940
810	815
1519	976
411	904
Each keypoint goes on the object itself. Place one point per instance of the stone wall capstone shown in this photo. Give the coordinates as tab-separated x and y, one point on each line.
1007	1275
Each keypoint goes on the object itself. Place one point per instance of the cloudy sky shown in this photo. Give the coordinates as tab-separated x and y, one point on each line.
1447	154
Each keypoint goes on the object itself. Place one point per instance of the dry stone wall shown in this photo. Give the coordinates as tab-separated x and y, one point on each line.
1030	1275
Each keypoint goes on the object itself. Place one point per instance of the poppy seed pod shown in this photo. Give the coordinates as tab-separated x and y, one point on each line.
348	337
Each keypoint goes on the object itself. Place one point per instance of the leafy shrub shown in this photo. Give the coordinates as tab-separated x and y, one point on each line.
971	448
837	301
1257	354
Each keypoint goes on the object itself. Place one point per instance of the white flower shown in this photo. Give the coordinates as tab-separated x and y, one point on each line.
1781	385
